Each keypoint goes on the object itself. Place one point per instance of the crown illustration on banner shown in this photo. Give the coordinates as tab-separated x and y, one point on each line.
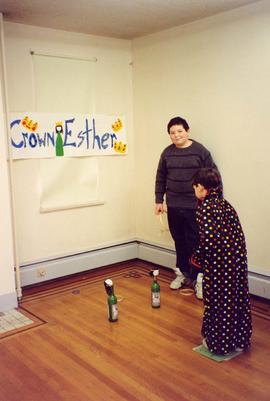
59	127
120	147
117	125
29	124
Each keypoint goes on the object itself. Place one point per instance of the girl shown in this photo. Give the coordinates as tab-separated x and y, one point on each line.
222	255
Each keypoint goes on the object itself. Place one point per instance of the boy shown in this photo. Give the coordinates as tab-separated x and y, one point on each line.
177	165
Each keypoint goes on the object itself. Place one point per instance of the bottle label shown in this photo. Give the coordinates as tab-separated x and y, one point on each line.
113	312
155	298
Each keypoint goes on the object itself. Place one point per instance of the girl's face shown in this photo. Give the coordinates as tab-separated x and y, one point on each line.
200	191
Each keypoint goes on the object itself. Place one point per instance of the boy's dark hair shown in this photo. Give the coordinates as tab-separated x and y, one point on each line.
177	121
208	177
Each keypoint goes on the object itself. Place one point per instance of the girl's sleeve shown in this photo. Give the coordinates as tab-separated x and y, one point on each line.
209	236
199	257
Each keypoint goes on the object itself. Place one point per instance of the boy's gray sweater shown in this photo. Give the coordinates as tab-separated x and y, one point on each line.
176	169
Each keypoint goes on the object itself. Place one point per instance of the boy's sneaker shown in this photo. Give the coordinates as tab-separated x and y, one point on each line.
177	282
198	286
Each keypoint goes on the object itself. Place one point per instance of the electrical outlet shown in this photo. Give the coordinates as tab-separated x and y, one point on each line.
41	272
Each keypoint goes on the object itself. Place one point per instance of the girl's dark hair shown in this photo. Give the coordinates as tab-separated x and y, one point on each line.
208	177
177	121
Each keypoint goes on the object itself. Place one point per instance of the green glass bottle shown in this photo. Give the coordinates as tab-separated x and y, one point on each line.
155	290
112	301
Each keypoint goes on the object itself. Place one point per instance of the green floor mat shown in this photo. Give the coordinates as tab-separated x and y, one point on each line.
218	358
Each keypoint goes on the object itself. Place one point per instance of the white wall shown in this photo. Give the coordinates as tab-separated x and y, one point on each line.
45	236
7	282
215	73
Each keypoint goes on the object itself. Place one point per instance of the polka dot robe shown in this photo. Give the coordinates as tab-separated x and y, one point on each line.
223	256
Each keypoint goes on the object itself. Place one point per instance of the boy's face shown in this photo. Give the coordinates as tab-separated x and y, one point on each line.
179	136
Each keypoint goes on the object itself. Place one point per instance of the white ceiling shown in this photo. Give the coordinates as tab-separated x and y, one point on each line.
126	19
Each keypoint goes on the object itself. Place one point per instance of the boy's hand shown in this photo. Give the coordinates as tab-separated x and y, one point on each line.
159	208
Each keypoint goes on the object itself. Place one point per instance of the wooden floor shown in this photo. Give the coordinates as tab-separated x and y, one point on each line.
76	354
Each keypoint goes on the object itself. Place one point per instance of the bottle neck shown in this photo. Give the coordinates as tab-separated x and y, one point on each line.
111	292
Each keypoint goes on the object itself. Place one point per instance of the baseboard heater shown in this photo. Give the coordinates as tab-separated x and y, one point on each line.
33	273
